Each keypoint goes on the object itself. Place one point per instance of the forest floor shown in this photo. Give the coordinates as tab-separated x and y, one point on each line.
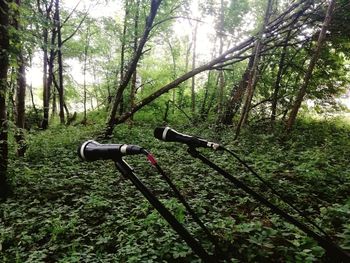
65	210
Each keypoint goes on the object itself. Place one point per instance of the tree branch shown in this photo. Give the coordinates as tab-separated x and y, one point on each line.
76	29
181	79
133	64
71	13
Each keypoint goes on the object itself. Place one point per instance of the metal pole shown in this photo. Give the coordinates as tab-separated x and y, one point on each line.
335	252
127	171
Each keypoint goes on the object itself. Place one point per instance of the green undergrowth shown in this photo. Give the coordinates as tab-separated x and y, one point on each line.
65	210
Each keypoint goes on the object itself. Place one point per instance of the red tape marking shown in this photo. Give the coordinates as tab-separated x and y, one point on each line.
151	159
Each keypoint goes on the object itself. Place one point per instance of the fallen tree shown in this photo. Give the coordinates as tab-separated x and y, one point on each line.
290	20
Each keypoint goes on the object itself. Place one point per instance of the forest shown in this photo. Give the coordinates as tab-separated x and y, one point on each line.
241	108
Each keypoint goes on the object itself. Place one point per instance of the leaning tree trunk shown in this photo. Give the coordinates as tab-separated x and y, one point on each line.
175	83
4	63
282	67
236	96
230	56
277	86
254	71
308	74
131	68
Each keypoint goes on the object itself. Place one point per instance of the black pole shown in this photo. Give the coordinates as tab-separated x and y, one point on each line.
337	254
218	252
127	171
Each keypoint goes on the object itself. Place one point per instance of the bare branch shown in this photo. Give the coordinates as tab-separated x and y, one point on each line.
71	13
174	17
76	29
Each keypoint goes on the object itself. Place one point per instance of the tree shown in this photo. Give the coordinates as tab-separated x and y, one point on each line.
4	63
45	12
123	51
277	86
52	42
86	38
311	66
131	67
230	18
57	20
221	77
275	29
21	85
193	80
294	18
252	75
134	76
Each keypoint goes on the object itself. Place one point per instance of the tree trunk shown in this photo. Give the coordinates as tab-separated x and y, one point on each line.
174	72
236	96
167	105
54	103
109	96
4	63
282	67
46	88
221	80
203	116
84	87
51	68
131	68
253	73
87	44
187	63
64	103
230	56
11	91
308	74
20	104
32	98
91	102
30	88
209	65
134	76
210	104
67	110
122	56
193	92
60	62
46	93
20	92
21	89
277	86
